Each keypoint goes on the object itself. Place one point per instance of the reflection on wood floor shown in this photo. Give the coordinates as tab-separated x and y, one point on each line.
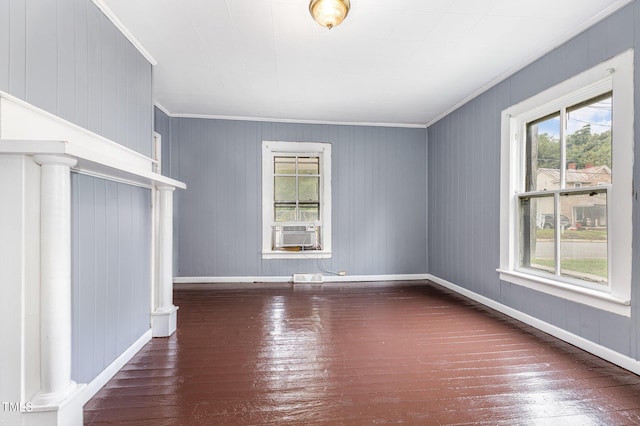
411	353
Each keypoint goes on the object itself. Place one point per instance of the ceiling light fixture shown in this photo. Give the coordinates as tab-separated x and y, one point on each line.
329	13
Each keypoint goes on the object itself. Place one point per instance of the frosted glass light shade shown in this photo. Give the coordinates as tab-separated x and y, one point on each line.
329	13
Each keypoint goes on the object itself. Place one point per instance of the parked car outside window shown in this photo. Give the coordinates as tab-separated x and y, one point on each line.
547	221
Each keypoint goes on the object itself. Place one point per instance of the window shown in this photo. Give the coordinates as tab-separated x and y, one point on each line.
564	232
296	200
566	188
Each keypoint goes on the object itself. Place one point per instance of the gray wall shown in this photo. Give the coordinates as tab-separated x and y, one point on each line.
67	58
162	125
379	197
111	243
464	184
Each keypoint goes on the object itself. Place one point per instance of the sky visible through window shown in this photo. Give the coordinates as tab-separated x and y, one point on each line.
598	115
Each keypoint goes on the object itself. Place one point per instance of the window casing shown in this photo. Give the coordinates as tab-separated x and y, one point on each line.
296	200
566	188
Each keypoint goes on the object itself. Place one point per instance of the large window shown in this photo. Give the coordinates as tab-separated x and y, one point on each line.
563	230
296	202
566	188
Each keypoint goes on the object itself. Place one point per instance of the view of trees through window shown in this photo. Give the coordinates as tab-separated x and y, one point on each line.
588	142
564	221
296	189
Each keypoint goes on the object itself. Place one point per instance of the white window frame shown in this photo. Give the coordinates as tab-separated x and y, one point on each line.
271	149
615	75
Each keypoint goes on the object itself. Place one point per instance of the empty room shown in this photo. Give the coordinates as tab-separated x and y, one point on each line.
331	212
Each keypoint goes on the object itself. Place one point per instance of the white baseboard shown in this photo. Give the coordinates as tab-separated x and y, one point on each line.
373	278
605	353
289	279
111	370
214	280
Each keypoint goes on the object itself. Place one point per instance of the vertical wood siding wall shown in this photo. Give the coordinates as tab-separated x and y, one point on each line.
111	240
464	185
379	197
67	58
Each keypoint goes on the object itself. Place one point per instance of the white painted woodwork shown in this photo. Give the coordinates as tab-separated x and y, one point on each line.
25	129
38	151
576	340
55	278
164	316
615	74
270	150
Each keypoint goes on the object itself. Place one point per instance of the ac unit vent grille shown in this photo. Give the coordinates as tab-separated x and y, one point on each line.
294	228
304	237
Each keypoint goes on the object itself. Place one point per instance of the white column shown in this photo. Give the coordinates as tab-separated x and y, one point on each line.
55	279
164	316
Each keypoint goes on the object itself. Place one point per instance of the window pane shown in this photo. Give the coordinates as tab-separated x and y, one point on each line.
284	165
543	154
589	142
583	246
309	165
537	247
285	213
309	212
309	188
284	188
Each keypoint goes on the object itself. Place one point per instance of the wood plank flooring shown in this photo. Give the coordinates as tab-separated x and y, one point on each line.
412	353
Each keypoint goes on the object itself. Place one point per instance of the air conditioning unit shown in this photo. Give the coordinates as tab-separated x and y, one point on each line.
297	236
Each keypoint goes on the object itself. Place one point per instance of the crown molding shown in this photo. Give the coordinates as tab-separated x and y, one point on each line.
124	30
289	120
607	11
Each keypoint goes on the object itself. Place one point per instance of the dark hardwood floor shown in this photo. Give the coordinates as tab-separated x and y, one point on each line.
413	353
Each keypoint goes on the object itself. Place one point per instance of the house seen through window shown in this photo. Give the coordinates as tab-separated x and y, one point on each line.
566	188
563	208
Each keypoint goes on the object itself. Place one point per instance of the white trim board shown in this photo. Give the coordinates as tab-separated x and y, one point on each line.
28	130
605	353
97	383
288	120
124	30
615	74
289	279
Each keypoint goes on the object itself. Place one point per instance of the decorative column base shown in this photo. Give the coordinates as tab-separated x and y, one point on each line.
68	411
164	321
56	398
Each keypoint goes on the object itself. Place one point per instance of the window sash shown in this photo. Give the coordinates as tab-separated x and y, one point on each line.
532	221
298	189
615	75
550	193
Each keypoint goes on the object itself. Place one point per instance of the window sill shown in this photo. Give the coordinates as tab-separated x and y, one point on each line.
296	254
586	296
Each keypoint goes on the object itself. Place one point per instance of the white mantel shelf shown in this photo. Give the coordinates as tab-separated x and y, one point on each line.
38	152
89	162
28	130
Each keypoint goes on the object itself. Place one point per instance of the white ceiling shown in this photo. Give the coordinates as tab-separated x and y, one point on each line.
404	62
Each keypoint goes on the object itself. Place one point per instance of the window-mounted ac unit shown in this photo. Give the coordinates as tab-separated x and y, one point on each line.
298	236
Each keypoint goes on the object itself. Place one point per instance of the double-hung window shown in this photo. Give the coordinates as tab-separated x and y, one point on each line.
566	192
296	199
